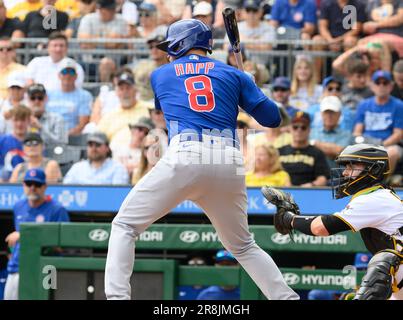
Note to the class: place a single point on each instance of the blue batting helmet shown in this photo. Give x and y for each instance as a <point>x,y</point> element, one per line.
<point>184,35</point>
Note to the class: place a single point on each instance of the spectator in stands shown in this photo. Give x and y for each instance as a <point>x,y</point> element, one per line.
<point>204,11</point>
<point>130,154</point>
<point>129,12</point>
<point>36,208</point>
<point>381,117</point>
<point>304,88</point>
<point>332,87</point>
<point>130,110</point>
<point>306,164</point>
<point>50,125</point>
<point>398,77</point>
<point>385,22</point>
<point>99,168</point>
<point>151,152</point>
<point>143,68</point>
<point>148,25</point>
<point>15,97</point>
<point>330,137</point>
<point>7,64</point>
<point>33,155</point>
<point>298,16</point>
<point>191,292</point>
<point>71,7</point>
<point>9,27</point>
<point>157,118</point>
<point>222,258</point>
<point>254,32</point>
<point>267,169</point>
<point>85,7</point>
<point>105,24</point>
<point>34,25</point>
<point>11,144</point>
<point>73,104</point>
<point>168,11</point>
<point>356,88</point>
<point>260,74</point>
<point>281,94</point>
<point>333,27</point>
<point>45,70</point>
<point>21,9</point>
<point>376,54</point>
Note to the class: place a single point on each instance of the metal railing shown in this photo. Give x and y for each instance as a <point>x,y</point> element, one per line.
<point>279,59</point>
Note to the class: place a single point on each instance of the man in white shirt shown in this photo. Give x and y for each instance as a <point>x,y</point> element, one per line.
<point>45,70</point>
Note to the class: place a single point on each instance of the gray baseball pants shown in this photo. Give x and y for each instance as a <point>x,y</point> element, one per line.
<point>209,173</point>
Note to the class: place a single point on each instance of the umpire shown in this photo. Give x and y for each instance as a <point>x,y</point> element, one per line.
<point>375,210</point>
<point>36,207</point>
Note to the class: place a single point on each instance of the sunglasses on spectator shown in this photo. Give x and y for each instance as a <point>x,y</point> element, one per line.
<point>383,83</point>
<point>280,89</point>
<point>248,10</point>
<point>71,72</point>
<point>40,98</point>
<point>336,89</point>
<point>33,183</point>
<point>145,14</point>
<point>296,127</point>
<point>6,49</point>
<point>32,143</point>
<point>94,144</point>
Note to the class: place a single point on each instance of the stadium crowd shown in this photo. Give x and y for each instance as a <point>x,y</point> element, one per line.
<point>110,132</point>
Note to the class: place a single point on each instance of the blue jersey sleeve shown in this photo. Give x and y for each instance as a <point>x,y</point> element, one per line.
<point>398,114</point>
<point>275,11</point>
<point>251,95</point>
<point>60,215</point>
<point>157,104</point>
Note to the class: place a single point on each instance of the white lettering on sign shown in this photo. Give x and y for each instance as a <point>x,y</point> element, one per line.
<point>150,236</point>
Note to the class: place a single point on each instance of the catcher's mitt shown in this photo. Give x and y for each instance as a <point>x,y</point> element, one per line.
<point>287,208</point>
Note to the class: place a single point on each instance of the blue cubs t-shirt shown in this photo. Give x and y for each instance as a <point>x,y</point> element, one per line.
<point>218,293</point>
<point>49,211</point>
<point>294,16</point>
<point>198,93</point>
<point>380,120</point>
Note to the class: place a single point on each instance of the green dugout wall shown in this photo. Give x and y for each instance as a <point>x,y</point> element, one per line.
<point>36,266</point>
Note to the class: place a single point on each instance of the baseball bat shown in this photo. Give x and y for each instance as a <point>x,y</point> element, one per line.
<point>231,27</point>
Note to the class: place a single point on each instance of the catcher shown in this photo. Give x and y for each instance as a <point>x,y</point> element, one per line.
<point>375,210</point>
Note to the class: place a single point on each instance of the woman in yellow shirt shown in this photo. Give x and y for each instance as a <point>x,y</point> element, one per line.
<point>267,169</point>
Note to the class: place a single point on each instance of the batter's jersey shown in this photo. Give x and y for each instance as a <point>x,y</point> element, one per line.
<point>378,214</point>
<point>199,94</point>
<point>49,211</point>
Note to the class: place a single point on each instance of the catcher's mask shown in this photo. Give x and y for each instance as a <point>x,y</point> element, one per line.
<point>376,161</point>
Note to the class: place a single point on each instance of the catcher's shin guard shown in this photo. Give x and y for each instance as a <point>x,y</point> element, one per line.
<point>378,281</point>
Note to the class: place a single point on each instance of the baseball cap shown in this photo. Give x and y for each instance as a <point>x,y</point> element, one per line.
<point>331,103</point>
<point>106,4</point>
<point>67,63</point>
<point>361,260</point>
<point>149,7</point>
<point>381,74</point>
<point>224,255</point>
<point>330,79</point>
<point>35,175</point>
<point>127,78</point>
<point>32,136</point>
<point>36,88</point>
<point>202,8</point>
<point>301,116</point>
<point>143,122</point>
<point>15,80</point>
<point>251,4</point>
<point>98,137</point>
<point>281,82</point>
<point>156,37</point>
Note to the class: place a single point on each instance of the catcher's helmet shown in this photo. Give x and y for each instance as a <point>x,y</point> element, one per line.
<point>376,169</point>
<point>184,35</point>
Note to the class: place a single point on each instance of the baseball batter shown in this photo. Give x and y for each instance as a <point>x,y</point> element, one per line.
<point>375,210</point>
<point>199,97</point>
